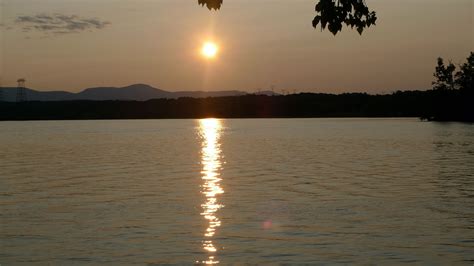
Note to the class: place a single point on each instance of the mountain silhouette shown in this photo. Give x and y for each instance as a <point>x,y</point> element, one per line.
<point>135,92</point>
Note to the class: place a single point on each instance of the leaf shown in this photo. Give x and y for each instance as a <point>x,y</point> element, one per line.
<point>211,4</point>
<point>316,21</point>
<point>330,13</point>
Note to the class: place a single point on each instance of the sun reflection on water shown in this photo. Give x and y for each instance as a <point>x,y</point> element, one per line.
<point>210,131</point>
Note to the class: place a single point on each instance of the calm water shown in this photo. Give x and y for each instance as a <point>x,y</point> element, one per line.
<point>382,191</point>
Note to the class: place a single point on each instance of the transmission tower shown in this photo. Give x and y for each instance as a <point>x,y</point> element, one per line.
<point>21,91</point>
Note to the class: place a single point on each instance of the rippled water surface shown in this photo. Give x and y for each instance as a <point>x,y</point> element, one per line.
<point>382,191</point>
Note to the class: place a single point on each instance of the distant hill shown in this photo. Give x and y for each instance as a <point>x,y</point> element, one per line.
<point>136,92</point>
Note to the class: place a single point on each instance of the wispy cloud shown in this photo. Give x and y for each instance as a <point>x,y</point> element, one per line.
<point>58,23</point>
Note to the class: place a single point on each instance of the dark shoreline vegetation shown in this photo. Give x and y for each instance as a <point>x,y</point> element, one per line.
<point>432,105</point>
<point>451,99</point>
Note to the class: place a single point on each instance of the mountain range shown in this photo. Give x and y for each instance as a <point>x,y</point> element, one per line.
<point>136,92</point>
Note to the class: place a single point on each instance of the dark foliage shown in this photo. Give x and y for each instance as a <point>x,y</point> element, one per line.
<point>334,14</point>
<point>211,4</point>
<point>444,76</point>
<point>465,76</point>
<point>399,104</point>
<point>331,14</point>
<point>453,93</point>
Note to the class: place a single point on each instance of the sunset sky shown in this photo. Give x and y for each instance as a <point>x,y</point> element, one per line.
<point>74,44</point>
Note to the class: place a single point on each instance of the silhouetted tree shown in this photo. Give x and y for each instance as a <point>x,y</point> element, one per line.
<point>447,80</point>
<point>330,13</point>
<point>465,76</point>
<point>453,93</point>
<point>444,76</point>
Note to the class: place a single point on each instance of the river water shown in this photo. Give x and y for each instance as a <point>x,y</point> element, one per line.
<point>257,191</point>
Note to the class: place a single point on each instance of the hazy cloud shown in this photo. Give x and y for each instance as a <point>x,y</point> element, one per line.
<point>5,26</point>
<point>58,23</point>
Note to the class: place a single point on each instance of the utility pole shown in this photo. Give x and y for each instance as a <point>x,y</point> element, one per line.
<point>21,91</point>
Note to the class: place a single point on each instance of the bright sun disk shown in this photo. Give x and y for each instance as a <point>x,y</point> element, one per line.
<point>209,50</point>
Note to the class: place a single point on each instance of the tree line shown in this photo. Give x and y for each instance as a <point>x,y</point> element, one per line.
<point>450,100</point>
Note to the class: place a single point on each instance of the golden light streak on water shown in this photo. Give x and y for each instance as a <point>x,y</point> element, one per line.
<point>210,131</point>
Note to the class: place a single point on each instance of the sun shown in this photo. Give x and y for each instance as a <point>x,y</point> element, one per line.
<point>209,50</point>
